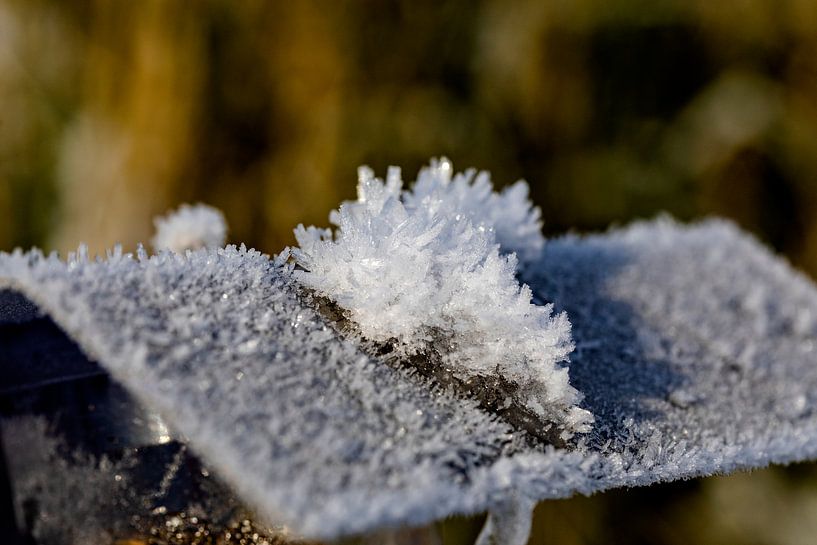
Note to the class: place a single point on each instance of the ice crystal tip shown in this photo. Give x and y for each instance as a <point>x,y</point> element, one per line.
<point>190,227</point>
<point>433,269</point>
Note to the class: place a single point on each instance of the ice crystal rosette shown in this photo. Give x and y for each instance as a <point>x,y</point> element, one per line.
<point>431,271</point>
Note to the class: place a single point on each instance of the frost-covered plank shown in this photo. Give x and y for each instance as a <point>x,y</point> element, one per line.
<point>694,352</point>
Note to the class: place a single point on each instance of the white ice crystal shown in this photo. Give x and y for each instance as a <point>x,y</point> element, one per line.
<point>189,228</point>
<point>516,223</point>
<point>423,269</point>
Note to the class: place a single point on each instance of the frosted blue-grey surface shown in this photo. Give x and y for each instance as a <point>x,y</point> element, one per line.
<point>695,352</point>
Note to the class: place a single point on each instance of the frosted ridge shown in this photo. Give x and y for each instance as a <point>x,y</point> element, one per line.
<point>190,227</point>
<point>694,349</point>
<point>416,268</point>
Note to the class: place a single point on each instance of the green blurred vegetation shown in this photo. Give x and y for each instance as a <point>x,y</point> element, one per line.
<point>113,112</point>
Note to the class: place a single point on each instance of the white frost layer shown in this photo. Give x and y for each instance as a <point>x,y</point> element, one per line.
<point>189,228</point>
<point>695,352</point>
<point>416,267</point>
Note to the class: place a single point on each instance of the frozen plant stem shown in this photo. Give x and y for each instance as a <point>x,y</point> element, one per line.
<point>424,272</point>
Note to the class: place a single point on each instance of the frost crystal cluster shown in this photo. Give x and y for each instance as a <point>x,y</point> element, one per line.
<point>516,223</point>
<point>189,228</point>
<point>422,270</point>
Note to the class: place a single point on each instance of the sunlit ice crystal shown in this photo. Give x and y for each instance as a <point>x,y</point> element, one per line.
<point>432,270</point>
<point>190,227</point>
<point>516,223</point>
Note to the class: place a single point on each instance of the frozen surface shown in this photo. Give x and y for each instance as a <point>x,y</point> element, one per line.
<point>694,348</point>
<point>417,269</point>
<point>189,228</point>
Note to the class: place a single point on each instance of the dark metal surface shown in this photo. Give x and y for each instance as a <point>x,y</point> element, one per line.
<point>34,352</point>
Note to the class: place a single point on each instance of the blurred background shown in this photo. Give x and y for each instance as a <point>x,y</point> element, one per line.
<point>112,112</point>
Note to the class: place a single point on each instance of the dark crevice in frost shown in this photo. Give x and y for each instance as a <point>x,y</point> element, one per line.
<point>494,394</point>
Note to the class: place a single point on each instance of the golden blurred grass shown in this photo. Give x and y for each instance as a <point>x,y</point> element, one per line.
<point>113,112</point>
<point>116,111</point>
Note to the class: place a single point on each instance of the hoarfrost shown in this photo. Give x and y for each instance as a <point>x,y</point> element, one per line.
<point>516,223</point>
<point>417,268</point>
<point>332,442</point>
<point>189,228</point>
